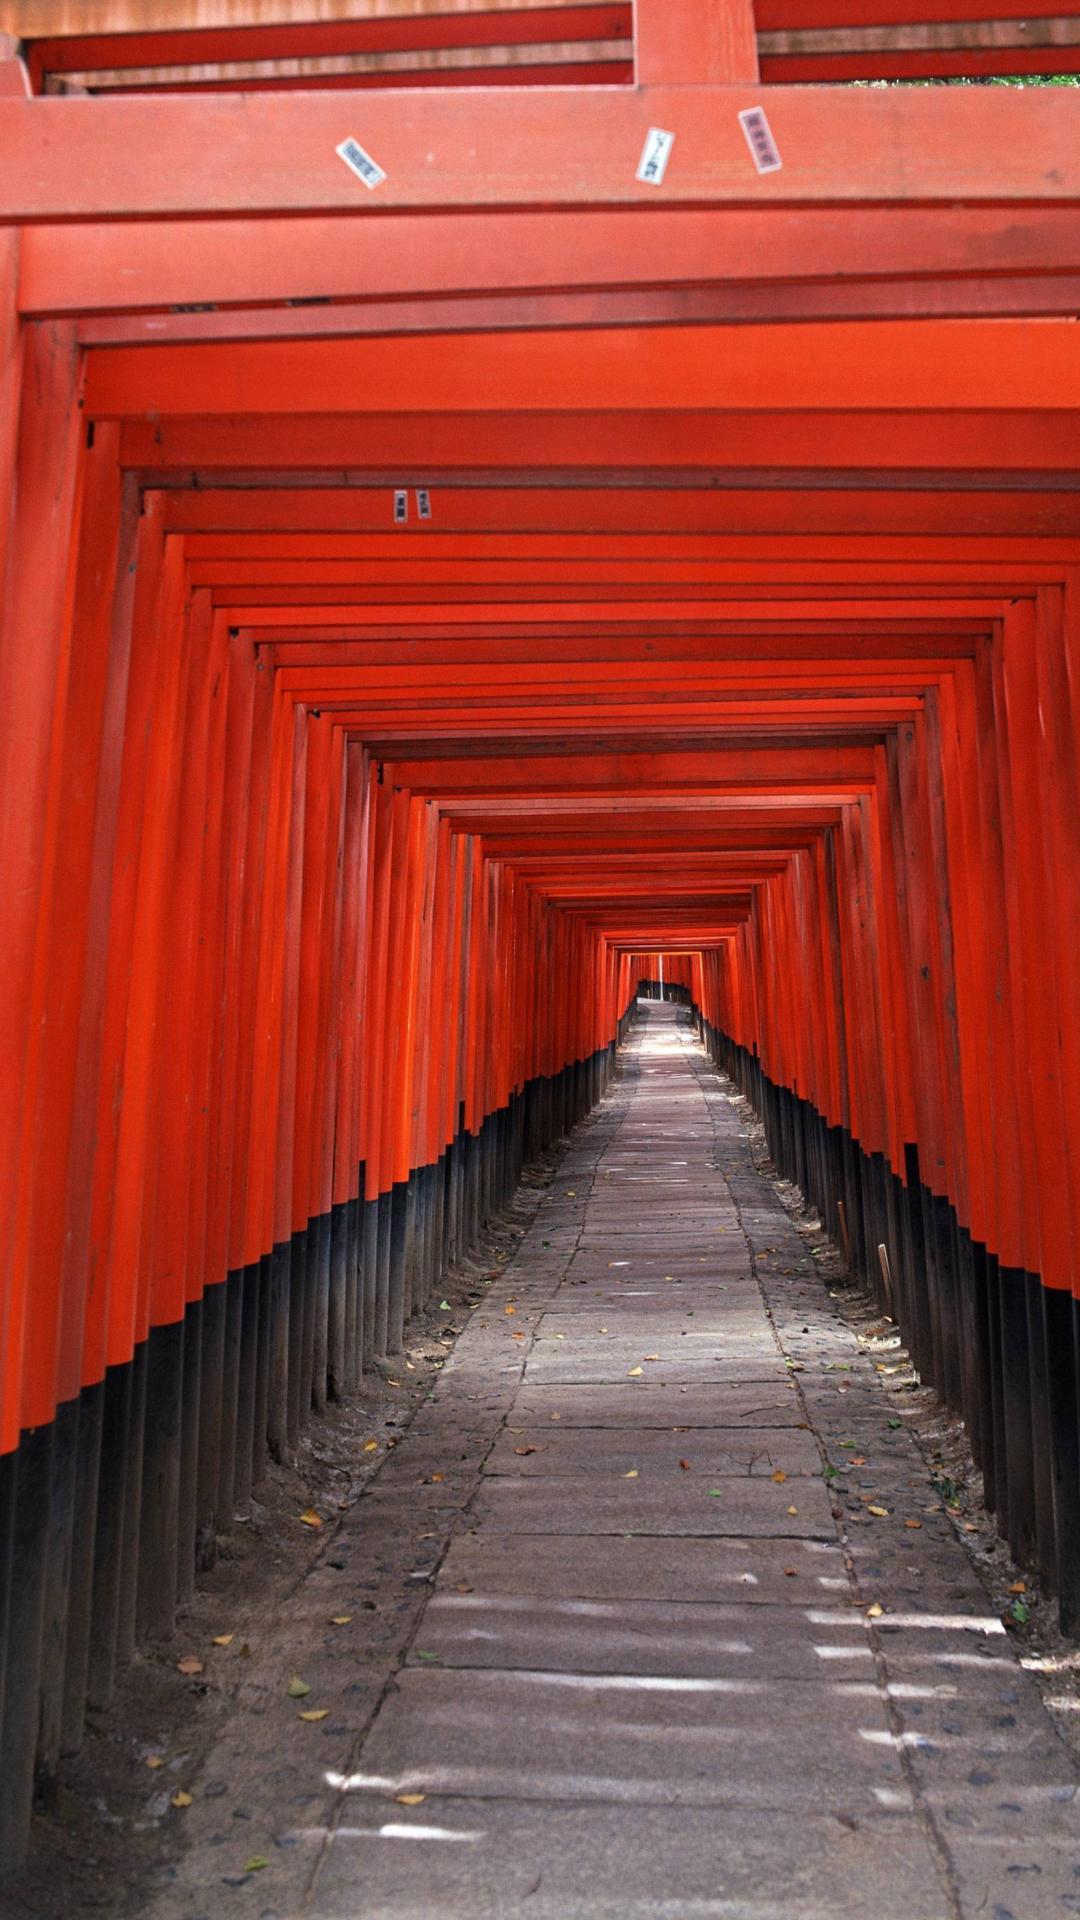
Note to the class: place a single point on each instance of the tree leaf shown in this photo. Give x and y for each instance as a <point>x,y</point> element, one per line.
<point>297,1688</point>
<point>256,1864</point>
<point>310,1518</point>
<point>314,1713</point>
<point>181,1799</point>
<point>410,1799</point>
<point>189,1664</point>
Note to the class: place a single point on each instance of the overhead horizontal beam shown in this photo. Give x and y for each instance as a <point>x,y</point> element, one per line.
<point>272,153</point>
<point>159,264</point>
<point>899,365</point>
<point>816,441</point>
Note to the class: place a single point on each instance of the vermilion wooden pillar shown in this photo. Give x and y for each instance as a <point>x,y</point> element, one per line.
<point>694,43</point>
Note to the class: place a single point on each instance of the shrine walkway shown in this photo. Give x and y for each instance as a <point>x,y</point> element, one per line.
<point>680,1628</point>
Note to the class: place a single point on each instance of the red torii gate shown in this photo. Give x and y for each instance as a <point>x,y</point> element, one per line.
<point>436,595</point>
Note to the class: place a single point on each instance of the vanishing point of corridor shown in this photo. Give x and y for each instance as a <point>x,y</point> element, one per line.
<point>678,1628</point>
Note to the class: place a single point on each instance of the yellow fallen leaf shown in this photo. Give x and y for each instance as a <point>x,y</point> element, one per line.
<point>314,1713</point>
<point>793,1510</point>
<point>509,1309</point>
<point>224,1639</point>
<point>181,1799</point>
<point>879,1513</point>
<point>340,1619</point>
<point>189,1664</point>
<point>410,1799</point>
<point>779,1476</point>
<point>636,1372</point>
<point>297,1688</point>
<point>256,1864</point>
<point>1018,1586</point>
<point>154,1760</point>
<point>571,1193</point>
<point>652,1356</point>
<point>875,1611</point>
<point>371,1446</point>
<point>310,1518</point>
<point>437,1477</point>
<point>632,1475</point>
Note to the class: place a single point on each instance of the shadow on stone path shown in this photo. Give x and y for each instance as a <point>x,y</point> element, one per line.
<point>652,1614</point>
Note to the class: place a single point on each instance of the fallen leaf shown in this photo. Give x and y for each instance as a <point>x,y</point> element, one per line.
<point>793,1510</point>
<point>914,1525</point>
<point>1018,1586</point>
<point>524,1450</point>
<point>314,1713</point>
<point>189,1664</point>
<point>245,1650</point>
<point>558,1336</point>
<point>410,1799</point>
<point>427,1656</point>
<point>436,1478</point>
<point>636,1372</point>
<point>779,1476</point>
<point>879,1513</point>
<point>463,1588</point>
<point>310,1518</point>
<point>154,1760</point>
<point>181,1799</point>
<point>875,1611</point>
<point>632,1475</point>
<point>791,1573</point>
<point>521,1336</point>
<point>571,1193</point>
<point>371,1446</point>
<point>444,1306</point>
<point>509,1309</point>
<point>256,1864</point>
<point>297,1688</point>
<point>340,1619</point>
<point>224,1639</point>
<point>652,1356</point>
<point>857,1460</point>
<point>685,1465</point>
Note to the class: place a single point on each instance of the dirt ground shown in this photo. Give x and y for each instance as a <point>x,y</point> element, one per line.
<point>112,1827</point>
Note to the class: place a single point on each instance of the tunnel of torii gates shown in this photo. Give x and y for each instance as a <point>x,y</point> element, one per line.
<point>445,579</point>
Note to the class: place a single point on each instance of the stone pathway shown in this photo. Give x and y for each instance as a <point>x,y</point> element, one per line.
<point>652,1614</point>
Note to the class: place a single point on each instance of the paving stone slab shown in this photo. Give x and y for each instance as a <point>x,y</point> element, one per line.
<point>669,1504</point>
<point>640,1404</point>
<point>521,1862</point>
<point>737,1641</point>
<point>631,1738</point>
<point>760,1451</point>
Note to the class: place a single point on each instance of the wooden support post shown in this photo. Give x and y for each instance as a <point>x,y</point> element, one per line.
<point>704,43</point>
